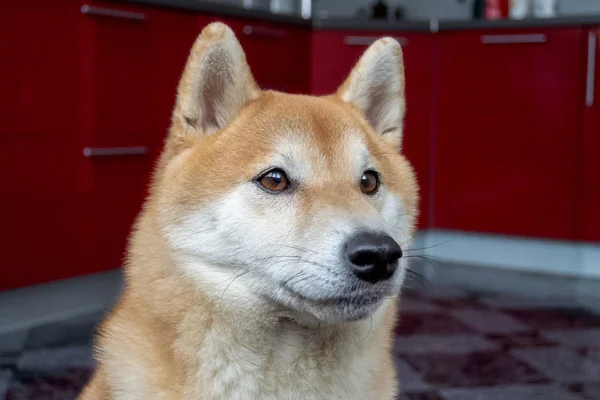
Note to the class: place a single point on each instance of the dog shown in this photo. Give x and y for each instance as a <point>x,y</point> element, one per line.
<point>267,259</point>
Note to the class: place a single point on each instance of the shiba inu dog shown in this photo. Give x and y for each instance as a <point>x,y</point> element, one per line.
<point>267,259</point>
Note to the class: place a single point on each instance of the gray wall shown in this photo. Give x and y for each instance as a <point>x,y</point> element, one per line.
<point>414,9</point>
<point>579,7</point>
<point>441,9</point>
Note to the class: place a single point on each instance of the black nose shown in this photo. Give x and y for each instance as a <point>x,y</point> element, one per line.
<point>373,257</point>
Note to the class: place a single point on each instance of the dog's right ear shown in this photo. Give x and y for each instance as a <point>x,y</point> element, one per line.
<point>216,83</point>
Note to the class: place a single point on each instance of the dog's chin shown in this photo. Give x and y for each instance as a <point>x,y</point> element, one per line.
<point>345,310</point>
<point>311,304</point>
<point>335,310</point>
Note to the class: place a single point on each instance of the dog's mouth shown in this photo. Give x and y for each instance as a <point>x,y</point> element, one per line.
<point>356,304</point>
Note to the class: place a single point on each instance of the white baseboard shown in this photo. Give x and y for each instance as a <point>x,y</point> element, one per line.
<point>573,259</point>
<point>24,308</point>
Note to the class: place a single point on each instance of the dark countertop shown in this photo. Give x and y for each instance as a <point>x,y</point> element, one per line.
<point>222,9</point>
<point>367,25</point>
<point>520,24</point>
<point>437,26</point>
<point>370,25</point>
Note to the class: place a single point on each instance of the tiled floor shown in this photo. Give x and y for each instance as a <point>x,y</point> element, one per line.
<point>452,345</point>
<point>495,348</point>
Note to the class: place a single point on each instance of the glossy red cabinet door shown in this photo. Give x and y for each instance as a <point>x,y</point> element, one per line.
<point>173,34</point>
<point>509,118</point>
<point>589,211</point>
<point>278,54</point>
<point>334,53</point>
<point>117,124</point>
<point>38,142</point>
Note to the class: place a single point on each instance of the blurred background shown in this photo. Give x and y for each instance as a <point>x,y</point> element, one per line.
<point>502,299</point>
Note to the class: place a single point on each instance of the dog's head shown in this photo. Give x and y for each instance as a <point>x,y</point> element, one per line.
<point>300,202</point>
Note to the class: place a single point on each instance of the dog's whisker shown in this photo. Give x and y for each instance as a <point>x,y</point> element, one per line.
<point>301,249</point>
<point>430,247</point>
<point>230,283</point>
<point>370,330</point>
<point>284,283</point>
<point>308,343</point>
<point>423,282</point>
<point>434,262</point>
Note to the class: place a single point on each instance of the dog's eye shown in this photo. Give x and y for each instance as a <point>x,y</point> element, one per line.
<point>369,183</point>
<point>274,181</point>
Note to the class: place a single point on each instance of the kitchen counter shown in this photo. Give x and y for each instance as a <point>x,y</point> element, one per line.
<point>373,25</point>
<point>222,9</point>
<point>433,25</point>
<point>437,26</point>
<point>520,24</point>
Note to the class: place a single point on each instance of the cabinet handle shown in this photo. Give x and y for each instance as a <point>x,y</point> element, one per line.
<point>510,39</point>
<point>114,151</point>
<point>250,30</point>
<point>110,12</point>
<point>591,70</point>
<point>368,40</point>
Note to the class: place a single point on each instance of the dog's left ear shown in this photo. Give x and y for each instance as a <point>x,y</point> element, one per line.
<point>376,87</point>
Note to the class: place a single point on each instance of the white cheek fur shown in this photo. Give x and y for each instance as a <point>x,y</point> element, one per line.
<point>394,217</point>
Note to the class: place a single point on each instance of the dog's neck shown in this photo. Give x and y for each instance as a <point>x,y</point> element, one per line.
<point>250,358</point>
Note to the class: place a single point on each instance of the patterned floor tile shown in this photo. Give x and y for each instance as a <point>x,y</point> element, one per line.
<point>409,324</point>
<point>593,354</point>
<point>421,396</point>
<point>442,344</point>
<point>412,306</point>
<point>63,385</point>
<point>578,338</point>
<point>41,360</point>
<point>513,392</point>
<point>5,380</point>
<point>459,303</point>
<point>557,318</point>
<point>490,322</point>
<point>588,391</point>
<point>410,380</point>
<point>524,303</point>
<point>559,363</point>
<point>521,340</point>
<point>471,370</point>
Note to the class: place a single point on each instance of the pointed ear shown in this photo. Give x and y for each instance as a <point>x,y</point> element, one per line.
<point>216,83</point>
<point>376,87</point>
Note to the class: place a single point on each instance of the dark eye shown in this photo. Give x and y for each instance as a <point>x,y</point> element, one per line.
<point>369,183</point>
<point>274,181</point>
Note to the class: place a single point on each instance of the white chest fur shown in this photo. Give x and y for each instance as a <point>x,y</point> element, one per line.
<point>291,364</point>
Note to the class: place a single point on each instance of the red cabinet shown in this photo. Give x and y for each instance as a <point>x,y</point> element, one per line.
<point>509,118</point>
<point>334,53</point>
<point>589,211</point>
<point>172,34</point>
<point>278,55</point>
<point>117,125</point>
<point>38,142</point>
